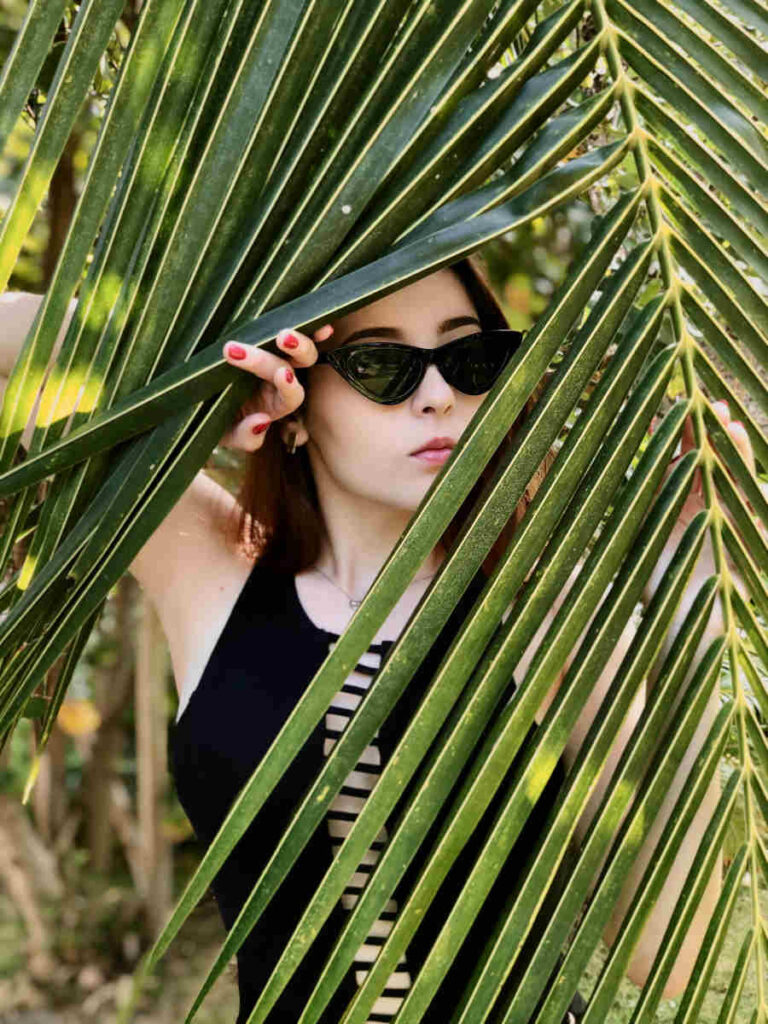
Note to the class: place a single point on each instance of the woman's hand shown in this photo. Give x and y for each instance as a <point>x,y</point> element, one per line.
<point>278,392</point>
<point>694,502</point>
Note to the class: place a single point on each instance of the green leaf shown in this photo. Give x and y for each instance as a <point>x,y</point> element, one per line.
<point>287,163</point>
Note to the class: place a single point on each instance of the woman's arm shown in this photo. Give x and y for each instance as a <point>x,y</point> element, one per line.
<point>17,311</point>
<point>201,504</point>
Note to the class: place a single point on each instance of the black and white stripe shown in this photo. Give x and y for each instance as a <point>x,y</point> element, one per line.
<point>342,813</point>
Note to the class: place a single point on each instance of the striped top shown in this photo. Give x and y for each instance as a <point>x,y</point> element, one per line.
<point>341,816</point>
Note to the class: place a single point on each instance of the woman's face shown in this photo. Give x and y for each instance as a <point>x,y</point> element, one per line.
<point>366,448</point>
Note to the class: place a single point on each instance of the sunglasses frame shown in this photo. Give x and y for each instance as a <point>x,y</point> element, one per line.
<point>338,359</point>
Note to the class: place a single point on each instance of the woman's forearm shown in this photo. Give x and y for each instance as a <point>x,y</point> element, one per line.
<point>17,311</point>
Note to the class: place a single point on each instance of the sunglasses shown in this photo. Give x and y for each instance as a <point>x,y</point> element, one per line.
<point>387,372</point>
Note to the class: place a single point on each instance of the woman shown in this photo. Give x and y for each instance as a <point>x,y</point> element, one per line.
<point>330,486</point>
<point>253,592</point>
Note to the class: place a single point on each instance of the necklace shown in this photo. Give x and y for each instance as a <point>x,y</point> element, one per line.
<point>356,604</point>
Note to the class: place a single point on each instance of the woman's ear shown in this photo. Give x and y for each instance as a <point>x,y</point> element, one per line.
<point>291,425</point>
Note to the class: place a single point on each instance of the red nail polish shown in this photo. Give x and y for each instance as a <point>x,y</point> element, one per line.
<point>236,351</point>
<point>259,428</point>
<point>291,341</point>
<point>289,377</point>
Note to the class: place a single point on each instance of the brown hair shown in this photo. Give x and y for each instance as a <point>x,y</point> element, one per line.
<point>279,518</point>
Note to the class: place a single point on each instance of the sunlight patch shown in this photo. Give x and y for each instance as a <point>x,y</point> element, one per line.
<point>78,393</point>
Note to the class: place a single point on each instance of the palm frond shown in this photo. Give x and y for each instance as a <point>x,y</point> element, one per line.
<point>292,161</point>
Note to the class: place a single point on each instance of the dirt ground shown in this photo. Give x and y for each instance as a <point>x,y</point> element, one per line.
<point>169,995</point>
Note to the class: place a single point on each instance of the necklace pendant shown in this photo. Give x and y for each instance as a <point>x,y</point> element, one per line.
<point>355,604</point>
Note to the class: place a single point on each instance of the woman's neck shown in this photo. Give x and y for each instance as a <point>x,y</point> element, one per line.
<point>354,573</point>
<point>359,536</point>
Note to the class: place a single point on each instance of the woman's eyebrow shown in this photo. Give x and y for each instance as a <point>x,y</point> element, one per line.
<point>397,334</point>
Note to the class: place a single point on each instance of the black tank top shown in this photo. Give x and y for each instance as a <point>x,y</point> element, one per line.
<point>266,655</point>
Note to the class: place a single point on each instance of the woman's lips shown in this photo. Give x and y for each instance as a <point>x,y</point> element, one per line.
<point>435,455</point>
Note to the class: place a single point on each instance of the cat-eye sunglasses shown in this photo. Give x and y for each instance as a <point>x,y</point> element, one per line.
<point>388,372</point>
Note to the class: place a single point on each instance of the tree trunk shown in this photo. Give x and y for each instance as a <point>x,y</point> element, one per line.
<point>49,794</point>
<point>62,198</point>
<point>28,873</point>
<point>151,766</point>
<point>112,692</point>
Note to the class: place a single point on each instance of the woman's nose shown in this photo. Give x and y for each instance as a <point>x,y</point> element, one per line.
<point>434,392</point>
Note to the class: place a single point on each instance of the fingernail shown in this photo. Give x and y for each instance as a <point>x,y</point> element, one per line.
<point>289,377</point>
<point>738,423</point>
<point>291,341</point>
<point>259,428</point>
<point>235,351</point>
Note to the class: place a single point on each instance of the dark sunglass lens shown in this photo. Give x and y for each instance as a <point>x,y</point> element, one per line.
<point>473,365</point>
<point>384,373</point>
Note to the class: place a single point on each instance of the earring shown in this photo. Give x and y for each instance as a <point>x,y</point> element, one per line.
<point>294,443</point>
